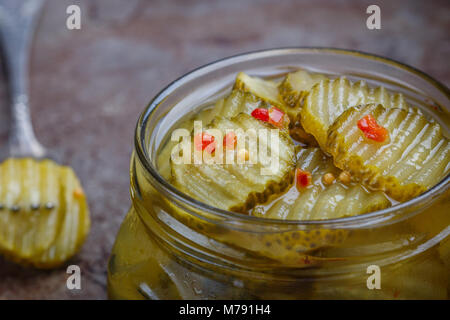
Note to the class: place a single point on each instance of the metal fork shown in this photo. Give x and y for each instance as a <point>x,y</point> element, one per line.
<point>18,20</point>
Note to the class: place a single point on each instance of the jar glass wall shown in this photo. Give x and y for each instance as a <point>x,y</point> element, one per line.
<point>171,246</point>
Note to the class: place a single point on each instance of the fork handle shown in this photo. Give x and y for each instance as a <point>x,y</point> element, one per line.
<point>17,23</point>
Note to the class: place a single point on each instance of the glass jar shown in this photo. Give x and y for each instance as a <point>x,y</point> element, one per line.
<point>171,246</point>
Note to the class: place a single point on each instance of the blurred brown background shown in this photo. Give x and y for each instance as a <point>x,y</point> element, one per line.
<point>88,86</point>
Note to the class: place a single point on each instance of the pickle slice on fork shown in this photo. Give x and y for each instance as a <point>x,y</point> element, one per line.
<point>31,206</point>
<point>330,98</point>
<point>74,227</point>
<point>414,157</point>
<point>44,217</point>
<point>238,183</point>
<point>319,200</point>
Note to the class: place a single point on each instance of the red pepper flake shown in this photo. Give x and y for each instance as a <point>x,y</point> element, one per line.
<point>276,117</point>
<point>202,140</point>
<point>302,178</point>
<point>273,115</point>
<point>371,129</point>
<point>261,114</point>
<point>230,140</point>
<point>210,148</point>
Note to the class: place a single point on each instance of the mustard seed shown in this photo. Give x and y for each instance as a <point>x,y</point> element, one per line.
<point>345,177</point>
<point>328,178</point>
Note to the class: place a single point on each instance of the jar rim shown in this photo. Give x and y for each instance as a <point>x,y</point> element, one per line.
<point>164,186</point>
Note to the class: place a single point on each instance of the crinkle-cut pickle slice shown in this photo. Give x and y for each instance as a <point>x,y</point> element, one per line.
<point>294,87</point>
<point>205,116</point>
<point>248,94</point>
<point>320,201</point>
<point>25,229</point>
<point>415,157</point>
<point>265,90</point>
<point>238,102</point>
<point>74,228</point>
<point>330,98</point>
<point>237,187</point>
<point>297,84</point>
<point>47,235</point>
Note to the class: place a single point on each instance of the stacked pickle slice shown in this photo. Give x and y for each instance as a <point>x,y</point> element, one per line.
<point>416,157</point>
<point>44,217</point>
<point>321,201</point>
<point>216,183</point>
<point>323,118</point>
<point>328,99</point>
